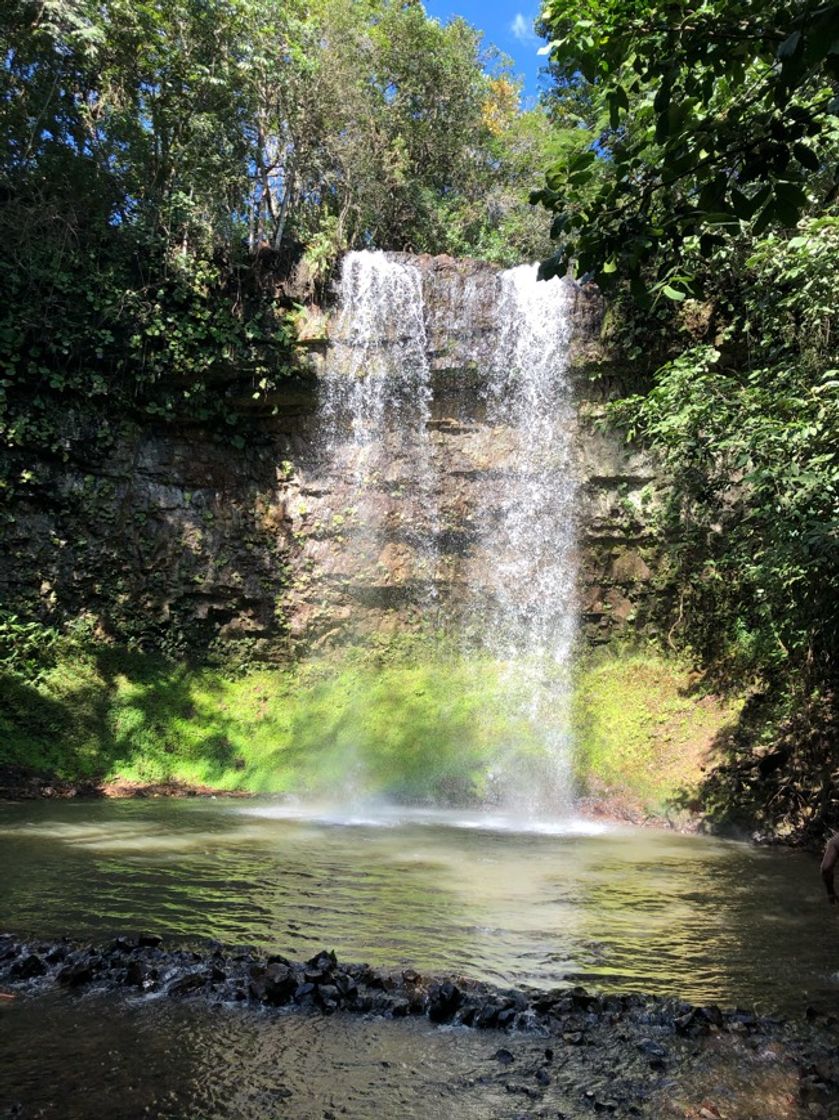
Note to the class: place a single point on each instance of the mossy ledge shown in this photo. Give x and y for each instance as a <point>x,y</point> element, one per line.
<point>413,719</point>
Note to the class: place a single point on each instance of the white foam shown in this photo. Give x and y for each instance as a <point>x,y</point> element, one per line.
<point>395,816</point>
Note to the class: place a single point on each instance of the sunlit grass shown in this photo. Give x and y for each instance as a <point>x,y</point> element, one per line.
<point>643,726</point>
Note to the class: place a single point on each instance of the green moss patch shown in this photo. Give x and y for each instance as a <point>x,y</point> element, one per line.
<point>414,727</point>
<point>416,722</point>
<point>643,727</point>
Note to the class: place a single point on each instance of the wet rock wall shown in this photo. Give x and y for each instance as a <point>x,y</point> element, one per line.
<point>182,536</point>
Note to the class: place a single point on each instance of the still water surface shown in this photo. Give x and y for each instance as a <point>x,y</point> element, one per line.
<point>615,908</point>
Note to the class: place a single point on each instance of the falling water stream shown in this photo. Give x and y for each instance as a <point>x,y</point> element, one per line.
<point>531,620</point>
<point>518,603</point>
<point>375,407</point>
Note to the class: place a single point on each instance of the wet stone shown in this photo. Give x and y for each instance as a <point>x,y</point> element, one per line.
<point>325,960</point>
<point>186,985</point>
<point>652,1048</point>
<point>256,988</point>
<point>345,985</point>
<point>28,968</point>
<point>279,985</point>
<point>135,974</point>
<point>524,1090</point>
<point>75,975</point>
<point>443,1002</point>
<point>634,1026</point>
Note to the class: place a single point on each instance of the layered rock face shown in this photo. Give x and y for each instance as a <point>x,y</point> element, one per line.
<point>310,533</point>
<point>426,529</point>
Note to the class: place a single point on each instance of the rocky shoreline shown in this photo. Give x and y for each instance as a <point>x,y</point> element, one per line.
<point>19,784</point>
<point>224,975</point>
<point>544,1038</point>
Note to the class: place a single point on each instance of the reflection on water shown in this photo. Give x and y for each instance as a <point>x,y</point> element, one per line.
<point>170,1062</point>
<point>619,909</point>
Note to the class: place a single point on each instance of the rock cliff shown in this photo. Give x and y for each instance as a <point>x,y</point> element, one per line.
<point>181,536</point>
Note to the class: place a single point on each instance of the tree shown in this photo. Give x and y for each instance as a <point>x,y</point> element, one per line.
<point>722,116</point>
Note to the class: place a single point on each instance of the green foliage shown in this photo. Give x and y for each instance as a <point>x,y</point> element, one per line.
<point>27,647</point>
<point>408,719</point>
<point>167,338</point>
<point>701,193</point>
<point>746,429</point>
<point>776,773</point>
<point>167,165</point>
<point>720,117</point>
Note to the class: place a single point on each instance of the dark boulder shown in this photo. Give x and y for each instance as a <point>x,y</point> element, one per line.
<point>443,1001</point>
<point>280,984</point>
<point>186,985</point>
<point>28,968</point>
<point>325,961</point>
<point>652,1048</point>
<point>135,974</point>
<point>75,975</point>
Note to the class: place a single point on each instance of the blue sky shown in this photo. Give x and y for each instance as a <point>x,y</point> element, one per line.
<point>506,23</point>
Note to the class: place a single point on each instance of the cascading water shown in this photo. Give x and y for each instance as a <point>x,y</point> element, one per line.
<point>528,528</point>
<point>505,593</point>
<point>374,414</point>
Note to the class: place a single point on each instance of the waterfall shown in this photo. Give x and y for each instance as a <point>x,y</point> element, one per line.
<point>527,527</point>
<point>472,539</point>
<point>374,413</point>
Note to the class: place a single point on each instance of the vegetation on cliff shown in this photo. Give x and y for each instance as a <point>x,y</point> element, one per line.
<point>410,719</point>
<point>176,176</point>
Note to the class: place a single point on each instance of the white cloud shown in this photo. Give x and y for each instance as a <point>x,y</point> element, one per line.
<point>522,29</point>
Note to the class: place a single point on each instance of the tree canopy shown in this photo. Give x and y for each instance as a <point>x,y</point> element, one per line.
<point>698,183</point>
<point>716,116</point>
